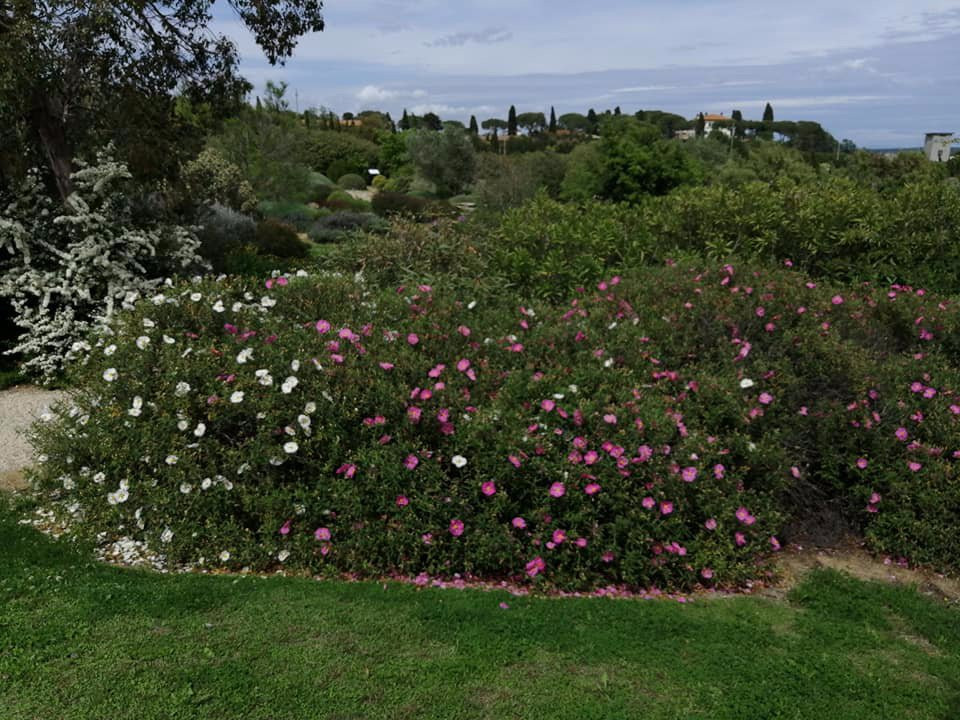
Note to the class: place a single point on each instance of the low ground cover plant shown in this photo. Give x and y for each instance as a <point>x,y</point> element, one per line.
<point>655,431</point>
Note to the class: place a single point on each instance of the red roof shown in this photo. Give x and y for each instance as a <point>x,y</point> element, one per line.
<point>715,118</point>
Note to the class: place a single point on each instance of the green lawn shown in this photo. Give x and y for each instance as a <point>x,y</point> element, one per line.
<point>81,640</point>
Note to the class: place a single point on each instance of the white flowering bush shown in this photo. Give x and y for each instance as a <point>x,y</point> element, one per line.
<point>654,432</point>
<point>67,267</point>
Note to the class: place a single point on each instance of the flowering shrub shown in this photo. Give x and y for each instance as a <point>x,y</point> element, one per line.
<point>68,268</point>
<point>656,431</point>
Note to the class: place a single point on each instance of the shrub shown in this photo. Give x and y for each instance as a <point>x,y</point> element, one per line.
<point>342,200</point>
<point>338,226</point>
<point>66,268</point>
<point>445,159</point>
<point>352,182</point>
<point>398,183</point>
<point>378,182</point>
<point>672,420</point>
<point>295,214</point>
<point>338,153</point>
<point>212,179</point>
<point>222,233</point>
<point>279,240</point>
<point>387,203</point>
<point>320,193</point>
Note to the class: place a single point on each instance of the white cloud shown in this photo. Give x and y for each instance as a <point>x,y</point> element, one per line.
<point>812,101</point>
<point>645,88</point>
<point>373,93</point>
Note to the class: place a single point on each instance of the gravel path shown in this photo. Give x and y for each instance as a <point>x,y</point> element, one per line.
<point>19,407</point>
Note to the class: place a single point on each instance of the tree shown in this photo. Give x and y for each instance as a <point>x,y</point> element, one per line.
<point>474,128</point>
<point>532,122</point>
<point>404,123</point>
<point>512,121</point>
<point>494,140</point>
<point>445,158</point>
<point>553,120</point>
<point>574,122</point>
<point>701,125</point>
<point>768,113</point>
<point>431,121</point>
<point>593,124</point>
<point>77,73</point>
<point>494,124</point>
<point>738,128</point>
<point>616,110</point>
<point>275,100</point>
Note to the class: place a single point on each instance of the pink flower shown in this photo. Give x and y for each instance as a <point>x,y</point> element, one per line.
<point>581,542</point>
<point>765,398</point>
<point>719,471</point>
<point>590,457</point>
<point>427,538</point>
<point>456,527</point>
<point>414,413</point>
<point>592,488</point>
<point>914,466</point>
<point>410,462</point>
<point>347,469</point>
<point>519,523</point>
<point>795,471</point>
<point>386,366</point>
<point>413,338</point>
<point>463,364</point>
<point>488,488</point>
<point>610,419</point>
<point>464,330</point>
<point>761,312</point>
<point>666,507</point>
<point>862,463</point>
<point>547,405</point>
<point>437,370</point>
<point>322,533</point>
<point>504,606</point>
<point>710,524</point>
<point>514,460</point>
<point>558,536</point>
<point>648,502</point>
<point>536,566</point>
<point>740,539</point>
<point>689,474</point>
<point>323,327</point>
<point>282,281</point>
<point>402,501</point>
<point>608,557</point>
<point>706,574</point>
<point>836,300</point>
<point>902,434</point>
<point>269,284</point>
<point>285,528</point>
<point>557,490</point>
<point>742,514</point>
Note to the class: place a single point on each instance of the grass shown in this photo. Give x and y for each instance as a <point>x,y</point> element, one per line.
<point>82,640</point>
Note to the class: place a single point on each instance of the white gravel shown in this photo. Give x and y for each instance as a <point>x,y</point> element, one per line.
<point>19,407</point>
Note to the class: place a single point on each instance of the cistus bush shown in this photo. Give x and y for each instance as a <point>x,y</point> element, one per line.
<point>352,181</point>
<point>655,431</point>
<point>279,240</point>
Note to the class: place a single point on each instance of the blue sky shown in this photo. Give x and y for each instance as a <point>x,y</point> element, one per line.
<point>881,73</point>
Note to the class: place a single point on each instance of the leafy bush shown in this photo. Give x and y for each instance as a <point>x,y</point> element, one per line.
<point>66,268</point>
<point>658,431</point>
<point>445,159</point>
<point>222,232</point>
<point>342,200</point>
<point>378,182</point>
<point>211,179</point>
<point>398,183</point>
<point>387,203</point>
<point>298,215</point>
<point>352,182</point>
<point>338,226</point>
<point>339,153</point>
<point>508,181</point>
<point>279,240</point>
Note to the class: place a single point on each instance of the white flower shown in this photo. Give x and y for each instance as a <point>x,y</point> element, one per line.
<point>558,396</point>
<point>99,478</point>
<point>121,494</point>
<point>110,374</point>
<point>574,389</point>
<point>195,296</point>
<point>295,365</point>
<point>289,431</point>
<point>303,421</point>
<point>471,305</point>
<point>746,383</point>
<point>206,483</point>
<point>109,350</point>
<point>182,425</point>
<point>299,509</point>
<point>182,389</point>
<point>171,460</point>
<point>168,340</point>
<point>148,323</point>
<point>244,355</point>
<point>751,447</point>
<point>166,536</point>
<point>289,384</point>
<point>326,396</point>
<point>290,448</point>
<point>237,397</point>
<point>267,302</point>
<point>227,485</point>
<point>46,417</point>
<point>608,362</point>
<point>185,488</point>
<point>458,460</point>
<point>310,408</point>
<point>158,299</point>
<point>265,378</point>
<point>134,412</point>
<point>237,306</point>
<point>218,306</point>
<point>199,430</point>
<point>224,556</point>
<point>68,483</point>
<point>283,555</point>
<point>142,342</point>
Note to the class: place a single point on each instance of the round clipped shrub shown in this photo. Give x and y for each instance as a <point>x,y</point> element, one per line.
<point>320,193</point>
<point>222,232</point>
<point>658,431</point>
<point>279,239</point>
<point>352,181</point>
<point>378,182</point>
<point>342,200</point>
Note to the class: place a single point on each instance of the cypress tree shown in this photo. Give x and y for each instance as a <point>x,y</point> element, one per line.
<point>494,140</point>
<point>553,120</point>
<point>616,110</point>
<point>701,125</point>
<point>512,121</point>
<point>768,113</point>
<point>404,121</point>
<point>737,123</point>
<point>474,128</point>
<point>592,120</point>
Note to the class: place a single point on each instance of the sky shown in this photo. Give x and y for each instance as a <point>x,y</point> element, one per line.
<point>881,73</point>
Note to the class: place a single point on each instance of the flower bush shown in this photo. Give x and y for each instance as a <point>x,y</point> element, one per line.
<point>656,431</point>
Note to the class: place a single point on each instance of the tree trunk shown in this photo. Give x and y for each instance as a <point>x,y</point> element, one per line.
<point>46,117</point>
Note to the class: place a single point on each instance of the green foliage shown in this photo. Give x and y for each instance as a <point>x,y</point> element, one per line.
<point>297,215</point>
<point>386,203</point>
<point>545,249</point>
<point>210,179</point>
<point>378,182</point>
<point>507,181</point>
<point>446,159</point>
<point>279,239</point>
<point>341,153</point>
<point>222,233</point>
<point>352,182</point>
<point>583,180</point>
<point>393,154</point>
<point>342,200</point>
<point>339,226</point>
